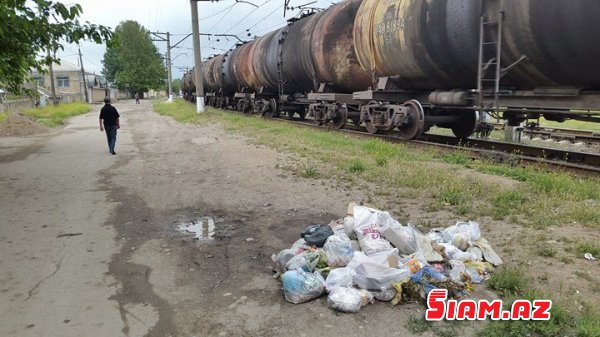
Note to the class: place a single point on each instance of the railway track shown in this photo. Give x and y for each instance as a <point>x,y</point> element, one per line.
<point>559,134</point>
<point>573,161</point>
<point>575,136</point>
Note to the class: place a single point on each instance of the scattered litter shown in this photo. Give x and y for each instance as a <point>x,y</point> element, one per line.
<point>250,239</point>
<point>589,257</point>
<point>388,262</point>
<point>203,228</point>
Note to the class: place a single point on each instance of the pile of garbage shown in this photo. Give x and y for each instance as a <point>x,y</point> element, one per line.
<point>369,256</point>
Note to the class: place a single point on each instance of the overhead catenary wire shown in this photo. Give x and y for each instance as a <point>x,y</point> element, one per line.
<point>247,15</point>
<point>263,18</point>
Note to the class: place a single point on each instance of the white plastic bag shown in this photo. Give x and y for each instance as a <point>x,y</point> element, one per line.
<point>458,269</point>
<point>373,276</point>
<point>339,251</point>
<point>300,286</point>
<point>388,258</point>
<point>370,239</point>
<point>345,300</point>
<point>349,227</point>
<point>357,259</point>
<point>339,278</point>
<point>463,234</point>
<point>402,237</point>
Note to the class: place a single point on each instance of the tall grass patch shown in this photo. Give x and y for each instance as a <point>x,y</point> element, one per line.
<point>55,115</point>
<point>3,116</point>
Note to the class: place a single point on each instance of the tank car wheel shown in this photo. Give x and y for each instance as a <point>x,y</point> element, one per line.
<point>341,116</point>
<point>416,120</point>
<point>467,125</point>
<point>274,108</point>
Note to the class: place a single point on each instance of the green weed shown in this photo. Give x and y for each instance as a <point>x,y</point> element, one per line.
<point>508,281</point>
<point>546,251</point>
<point>309,172</point>
<point>357,166</point>
<point>457,158</point>
<point>3,116</point>
<point>381,161</point>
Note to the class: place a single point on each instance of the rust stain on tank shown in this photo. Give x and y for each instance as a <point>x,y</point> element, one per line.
<point>333,49</point>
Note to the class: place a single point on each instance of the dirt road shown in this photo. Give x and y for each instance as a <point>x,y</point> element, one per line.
<point>90,245</point>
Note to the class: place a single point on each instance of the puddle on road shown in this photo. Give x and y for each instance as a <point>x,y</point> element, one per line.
<point>202,228</point>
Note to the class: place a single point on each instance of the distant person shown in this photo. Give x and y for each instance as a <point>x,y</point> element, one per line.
<point>109,122</point>
<point>137,97</point>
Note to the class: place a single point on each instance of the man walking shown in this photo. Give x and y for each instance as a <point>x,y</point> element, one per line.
<point>137,97</point>
<point>109,122</point>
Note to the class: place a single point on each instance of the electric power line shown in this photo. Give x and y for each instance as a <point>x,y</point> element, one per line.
<point>247,15</point>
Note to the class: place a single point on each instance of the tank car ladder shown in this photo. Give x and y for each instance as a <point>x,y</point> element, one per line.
<point>490,56</point>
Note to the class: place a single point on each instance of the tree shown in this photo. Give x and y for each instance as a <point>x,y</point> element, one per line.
<point>176,85</point>
<point>31,27</point>
<point>132,60</point>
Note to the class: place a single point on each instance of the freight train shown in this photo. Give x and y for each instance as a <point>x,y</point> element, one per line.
<point>408,65</point>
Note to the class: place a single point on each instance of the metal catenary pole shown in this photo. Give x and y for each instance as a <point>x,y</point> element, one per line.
<point>169,74</point>
<point>197,58</point>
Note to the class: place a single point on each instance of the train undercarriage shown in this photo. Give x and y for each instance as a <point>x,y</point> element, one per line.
<point>411,113</point>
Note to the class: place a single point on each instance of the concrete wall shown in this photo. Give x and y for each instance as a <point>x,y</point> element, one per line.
<point>97,95</point>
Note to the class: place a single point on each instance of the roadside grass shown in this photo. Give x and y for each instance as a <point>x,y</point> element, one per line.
<point>539,200</point>
<point>512,283</point>
<point>53,116</point>
<point>3,116</point>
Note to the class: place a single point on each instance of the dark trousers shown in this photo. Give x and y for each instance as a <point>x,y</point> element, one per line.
<point>111,136</point>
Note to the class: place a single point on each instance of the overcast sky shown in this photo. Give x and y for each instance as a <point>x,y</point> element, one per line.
<point>174,16</point>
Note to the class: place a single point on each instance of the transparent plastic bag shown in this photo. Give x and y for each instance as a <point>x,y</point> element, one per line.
<point>339,251</point>
<point>345,300</point>
<point>300,286</point>
<point>339,278</point>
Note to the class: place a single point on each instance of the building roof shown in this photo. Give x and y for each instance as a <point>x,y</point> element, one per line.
<point>66,66</point>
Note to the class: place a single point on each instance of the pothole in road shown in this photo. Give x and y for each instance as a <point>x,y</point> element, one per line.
<point>202,228</point>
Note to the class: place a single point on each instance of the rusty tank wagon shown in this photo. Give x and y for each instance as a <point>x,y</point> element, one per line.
<point>409,65</point>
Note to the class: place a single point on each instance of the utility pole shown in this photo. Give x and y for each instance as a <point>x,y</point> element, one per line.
<point>83,76</point>
<point>197,58</point>
<point>169,74</point>
<point>52,88</point>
